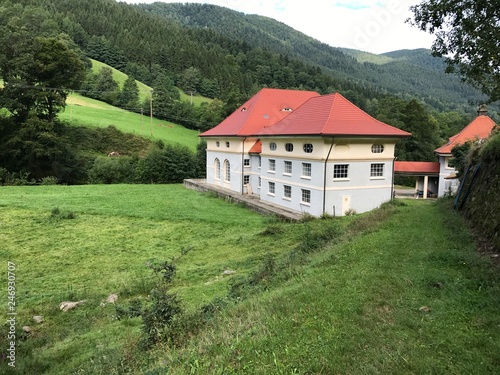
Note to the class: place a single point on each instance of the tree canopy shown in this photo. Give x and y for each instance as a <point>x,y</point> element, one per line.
<point>468,36</point>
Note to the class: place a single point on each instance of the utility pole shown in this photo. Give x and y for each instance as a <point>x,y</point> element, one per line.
<point>142,121</point>
<point>151,112</point>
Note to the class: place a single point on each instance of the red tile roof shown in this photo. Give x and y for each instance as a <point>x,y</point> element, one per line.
<point>331,115</point>
<point>256,148</point>
<point>480,128</point>
<point>265,108</point>
<point>417,167</point>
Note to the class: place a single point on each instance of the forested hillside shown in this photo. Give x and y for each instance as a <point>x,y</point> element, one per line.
<point>407,73</point>
<point>211,51</point>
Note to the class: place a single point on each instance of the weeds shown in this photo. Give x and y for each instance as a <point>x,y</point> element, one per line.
<point>57,214</point>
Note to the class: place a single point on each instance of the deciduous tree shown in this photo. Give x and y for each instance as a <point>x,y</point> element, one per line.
<point>468,35</point>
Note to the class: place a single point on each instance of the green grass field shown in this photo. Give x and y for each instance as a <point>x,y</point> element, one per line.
<point>355,306</point>
<point>84,111</point>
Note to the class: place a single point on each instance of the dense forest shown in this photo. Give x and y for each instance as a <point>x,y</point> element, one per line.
<point>212,51</point>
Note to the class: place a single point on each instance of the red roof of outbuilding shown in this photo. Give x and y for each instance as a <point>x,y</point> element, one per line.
<point>332,115</point>
<point>416,167</point>
<point>480,128</point>
<point>265,108</point>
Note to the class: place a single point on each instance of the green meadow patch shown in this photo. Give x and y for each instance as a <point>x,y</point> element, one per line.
<point>84,111</point>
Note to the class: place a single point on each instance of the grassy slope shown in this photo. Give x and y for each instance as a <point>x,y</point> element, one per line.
<point>356,309</point>
<point>89,112</point>
<point>144,90</point>
<point>352,309</point>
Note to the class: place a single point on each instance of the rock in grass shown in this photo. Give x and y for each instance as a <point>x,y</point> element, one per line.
<point>38,319</point>
<point>67,305</point>
<point>228,272</point>
<point>425,309</point>
<point>27,329</point>
<point>112,298</point>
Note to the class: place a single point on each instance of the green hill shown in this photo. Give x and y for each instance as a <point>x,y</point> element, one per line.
<point>89,112</point>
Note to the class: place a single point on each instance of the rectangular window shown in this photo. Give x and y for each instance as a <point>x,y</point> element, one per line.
<point>340,171</point>
<point>287,191</point>
<point>377,170</point>
<point>306,196</point>
<point>246,162</point>
<point>246,179</point>
<point>260,161</point>
<point>272,165</point>
<point>288,167</point>
<point>260,182</point>
<point>306,169</point>
<point>272,188</point>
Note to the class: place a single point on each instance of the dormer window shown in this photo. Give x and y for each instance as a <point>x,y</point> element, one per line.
<point>287,109</point>
<point>244,109</point>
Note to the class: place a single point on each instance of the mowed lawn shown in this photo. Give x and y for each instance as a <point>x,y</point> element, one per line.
<point>116,229</point>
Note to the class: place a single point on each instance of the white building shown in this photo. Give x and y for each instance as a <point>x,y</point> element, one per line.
<point>479,129</point>
<point>304,152</point>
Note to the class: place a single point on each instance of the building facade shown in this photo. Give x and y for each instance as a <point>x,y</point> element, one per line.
<point>304,152</point>
<point>479,129</point>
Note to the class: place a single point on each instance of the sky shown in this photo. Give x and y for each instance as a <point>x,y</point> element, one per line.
<point>375,26</point>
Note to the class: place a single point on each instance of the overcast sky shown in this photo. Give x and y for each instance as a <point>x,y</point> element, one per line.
<point>376,26</point>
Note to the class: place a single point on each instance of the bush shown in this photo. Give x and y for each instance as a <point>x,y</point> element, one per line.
<point>167,165</point>
<point>113,170</point>
<point>49,180</point>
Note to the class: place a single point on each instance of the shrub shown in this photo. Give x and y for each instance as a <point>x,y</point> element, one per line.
<point>171,164</point>
<point>108,170</point>
<point>49,180</point>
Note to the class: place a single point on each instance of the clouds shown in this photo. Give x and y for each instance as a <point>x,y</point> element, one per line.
<point>367,25</point>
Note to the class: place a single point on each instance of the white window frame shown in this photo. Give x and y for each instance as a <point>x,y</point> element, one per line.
<point>272,166</point>
<point>217,168</point>
<point>306,170</point>
<point>341,172</point>
<point>227,171</point>
<point>288,168</point>
<point>305,196</point>
<point>246,163</point>
<point>287,192</point>
<point>271,188</point>
<point>377,170</point>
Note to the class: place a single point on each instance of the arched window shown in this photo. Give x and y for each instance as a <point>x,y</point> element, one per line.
<point>217,169</point>
<point>227,171</point>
